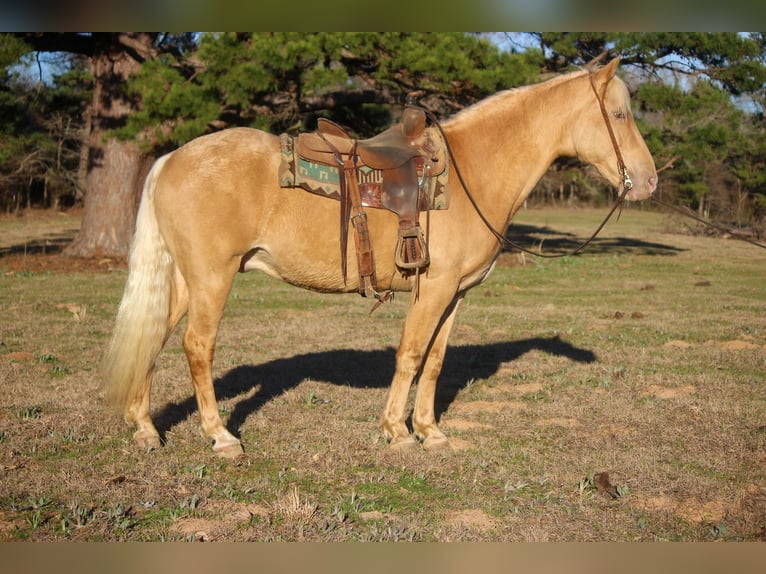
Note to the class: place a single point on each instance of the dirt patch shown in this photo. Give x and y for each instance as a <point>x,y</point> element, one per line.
<point>749,517</point>
<point>217,521</point>
<point>558,422</point>
<point>7,526</point>
<point>527,388</point>
<point>745,516</point>
<point>464,425</point>
<point>459,444</point>
<point>691,510</point>
<point>18,357</point>
<point>677,345</point>
<point>473,519</point>
<point>735,345</point>
<point>746,343</point>
<point>475,407</point>
<point>199,529</point>
<point>660,392</point>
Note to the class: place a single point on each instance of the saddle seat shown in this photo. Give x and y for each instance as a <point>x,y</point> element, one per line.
<point>387,150</point>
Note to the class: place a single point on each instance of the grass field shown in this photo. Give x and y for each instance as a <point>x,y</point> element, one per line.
<point>619,395</point>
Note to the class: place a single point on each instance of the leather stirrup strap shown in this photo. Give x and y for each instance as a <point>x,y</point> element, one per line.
<point>352,210</point>
<point>364,253</point>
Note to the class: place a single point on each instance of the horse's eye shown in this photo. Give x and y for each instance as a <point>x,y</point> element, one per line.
<point>619,114</point>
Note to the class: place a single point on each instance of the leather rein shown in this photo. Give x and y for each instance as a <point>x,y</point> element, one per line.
<point>627,185</point>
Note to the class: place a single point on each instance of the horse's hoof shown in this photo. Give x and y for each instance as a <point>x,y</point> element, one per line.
<point>230,451</point>
<point>437,444</point>
<point>404,444</point>
<point>147,441</point>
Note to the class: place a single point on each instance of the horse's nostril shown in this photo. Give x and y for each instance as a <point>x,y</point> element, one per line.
<point>652,182</point>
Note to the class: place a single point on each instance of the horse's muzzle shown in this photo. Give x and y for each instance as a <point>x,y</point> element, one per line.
<point>643,189</point>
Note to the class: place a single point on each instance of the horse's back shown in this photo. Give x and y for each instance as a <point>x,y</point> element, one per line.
<point>225,151</point>
<point>213,167</point>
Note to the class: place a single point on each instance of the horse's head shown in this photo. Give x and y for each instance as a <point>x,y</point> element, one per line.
<point>627,151</point>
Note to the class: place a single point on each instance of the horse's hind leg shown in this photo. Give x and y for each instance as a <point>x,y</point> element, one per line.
<point>138,410</point>
<point>206,304</point>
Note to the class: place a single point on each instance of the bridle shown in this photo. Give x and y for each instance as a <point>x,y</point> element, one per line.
<point>627,185</point>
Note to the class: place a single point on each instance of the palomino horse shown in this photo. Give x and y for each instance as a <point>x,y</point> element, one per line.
<point>214,207</point>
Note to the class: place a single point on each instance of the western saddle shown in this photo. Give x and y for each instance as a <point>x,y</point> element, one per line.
<point>407,155</point>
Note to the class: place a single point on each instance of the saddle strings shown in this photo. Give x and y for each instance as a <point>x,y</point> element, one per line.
<point>503,240</point>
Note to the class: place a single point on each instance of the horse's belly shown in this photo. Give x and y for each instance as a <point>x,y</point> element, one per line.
<point>295,266</point>
<point>298,271</point>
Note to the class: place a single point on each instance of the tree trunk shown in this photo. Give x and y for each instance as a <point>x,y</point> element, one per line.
<point>111,201</point>
<point>116,169</point>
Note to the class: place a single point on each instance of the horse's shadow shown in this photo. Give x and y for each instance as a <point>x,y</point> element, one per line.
<point>361,369</point>
<point>553,241</point>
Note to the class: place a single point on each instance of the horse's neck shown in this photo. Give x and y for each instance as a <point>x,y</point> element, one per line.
<point>508,141</point>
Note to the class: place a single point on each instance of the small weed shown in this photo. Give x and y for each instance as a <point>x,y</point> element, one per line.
<point>599,482</point>
<point>73,437</point>
<point>39,502</point>
<point>511,487</point>
<point>718,531</point>
<point>390,533</point>
<point>59,371</point>
<point>413,481</point>
<point>339,514</point>
<point>47,359</point>
<point>77,517</point>
<point>290,510</point>
<point>586,484</point>
<point>30,413</point>
<point>120,517</point>
<point>599,382</point>
<point>189,505</point>
<point>350,507</point>
<point>199,470</point>
<point>622,490</point>
<point>311,400</point>
<point>36,519</point>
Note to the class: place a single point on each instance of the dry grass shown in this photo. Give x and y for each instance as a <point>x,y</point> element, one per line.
<point>644,359</point>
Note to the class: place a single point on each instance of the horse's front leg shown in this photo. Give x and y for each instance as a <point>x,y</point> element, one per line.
<point>423,416</point>
<point>425,318</point>
<point>206,303</point>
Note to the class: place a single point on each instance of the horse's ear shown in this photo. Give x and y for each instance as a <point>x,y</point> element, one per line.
<point>604,75</point>
<point>611,68</point>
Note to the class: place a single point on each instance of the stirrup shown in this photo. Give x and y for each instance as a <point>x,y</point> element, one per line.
<point>411,248</point>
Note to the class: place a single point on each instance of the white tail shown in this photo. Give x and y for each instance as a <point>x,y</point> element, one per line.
<point>141,327</point>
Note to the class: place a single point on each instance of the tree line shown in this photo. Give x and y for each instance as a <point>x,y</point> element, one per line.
<point>84,115</point>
